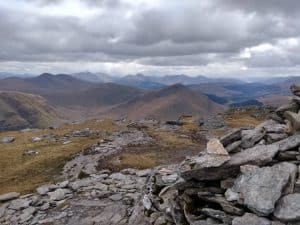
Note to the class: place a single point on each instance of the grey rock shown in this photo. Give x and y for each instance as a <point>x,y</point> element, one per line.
<point>116,197</point>
<point>251,137</point>
<point>257,155</point>
<point>3,209</point>
<point>295,89</point>
<point>251,219</point>
<point>288,208</point>
<point>7,140</point>
<point>143,173</point>
<point>9,196</point>
<point>197,167</point>
<point>233,146</point>
<point>172,178</point>
<point>260,188</point>
<point>292,106</point>
<point>271,126</point>
<point>58,194</point>
<point>43,190</point>
<point>217,214</point>
<point>36,139</point>
<point>273,137</point>
<point>231,136</point>
<point>294,118</point>
<point>19,204</point>
<point>288,143</point>
<point>118,176</point>
<point>147,202</point>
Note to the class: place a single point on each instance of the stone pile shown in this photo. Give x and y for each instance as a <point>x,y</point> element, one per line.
<point>247,177</point>
<point>103,199</point>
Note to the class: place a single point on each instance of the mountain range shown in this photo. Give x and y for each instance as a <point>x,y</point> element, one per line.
<point>86,95</point>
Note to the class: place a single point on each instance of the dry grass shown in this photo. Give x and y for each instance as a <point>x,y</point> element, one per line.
<point>140,161</point>
<point>243,119</point>
<point>22,173</point>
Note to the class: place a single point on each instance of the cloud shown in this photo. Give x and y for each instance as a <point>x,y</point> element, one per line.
<point>162,34</point>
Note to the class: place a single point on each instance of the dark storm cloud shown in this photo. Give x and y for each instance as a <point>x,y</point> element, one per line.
<point>170,33</point>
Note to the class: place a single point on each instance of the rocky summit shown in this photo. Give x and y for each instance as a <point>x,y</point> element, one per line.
<point>246,177</point>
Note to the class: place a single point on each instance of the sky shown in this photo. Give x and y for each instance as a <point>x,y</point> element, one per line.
<point>217,38</point>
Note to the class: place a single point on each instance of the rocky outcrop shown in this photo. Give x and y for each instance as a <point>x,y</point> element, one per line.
<point>246,177</point>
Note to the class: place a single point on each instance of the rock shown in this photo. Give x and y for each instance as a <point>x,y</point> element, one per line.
<point>9,196</point>
<point>217,214</point>
<point>143,173</point>
<point>294,118</point>
<point>292,107</point>
<point>63,184</point>
<point>273,137</point>
<point>2,209</point>
<point>231,136</point>
<point>271,126</point>
<point>169,179</point>
<point>118,176</point>
<point>42,190</point>
<point>233,146</point>
<point>257,155</point>
<point>36,139</point>
<point>295,89</point>
<point>251,219</point>
<point>226,206</point>
<point>251,137</point>
<point>147,202</point>
<point>260,188</point>
<point>6,140</point>
<point>58,194</point>
<point>19,204</point>
<point>197,167</point>
<point>27,214</point>
<point>288,208</point>
<point>116,197</point>
<point>288,143</point>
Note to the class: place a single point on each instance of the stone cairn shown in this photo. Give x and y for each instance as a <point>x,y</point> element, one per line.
<point>249,177</point>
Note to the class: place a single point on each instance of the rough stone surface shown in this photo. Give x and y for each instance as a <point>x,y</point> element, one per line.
<point>288,208</point>
<point>9,196</point>
<point>260,188</point>
<point>251,219</point>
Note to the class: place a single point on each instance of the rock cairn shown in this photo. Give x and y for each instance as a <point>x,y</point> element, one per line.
<point>247,177</point>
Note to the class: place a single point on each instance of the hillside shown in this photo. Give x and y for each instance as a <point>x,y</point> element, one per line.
<point>167,103</point>
<point>45,83</point>
<point>20,110</point>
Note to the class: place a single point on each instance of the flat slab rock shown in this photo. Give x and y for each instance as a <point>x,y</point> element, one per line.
<point>260,188</point>
<point>214,157</point>
<point>288,208</point>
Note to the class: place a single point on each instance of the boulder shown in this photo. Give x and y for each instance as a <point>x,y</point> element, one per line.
<point>260,188</point>
<point>288,208</point>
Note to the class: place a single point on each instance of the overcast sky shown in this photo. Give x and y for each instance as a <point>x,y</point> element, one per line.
<point>210,37</point>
